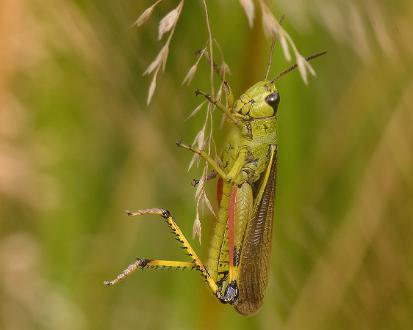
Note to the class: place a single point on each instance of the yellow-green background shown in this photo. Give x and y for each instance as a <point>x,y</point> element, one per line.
<point>78,145</point>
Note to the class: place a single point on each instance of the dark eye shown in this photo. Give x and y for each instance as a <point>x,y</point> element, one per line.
<point>272,100</point>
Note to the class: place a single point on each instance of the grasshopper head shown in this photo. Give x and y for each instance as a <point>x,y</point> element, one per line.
<point>259,101</point>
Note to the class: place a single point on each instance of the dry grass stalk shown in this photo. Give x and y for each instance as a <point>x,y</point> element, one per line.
<point>273,29</point>
<point>249,8</point>
<point>167,24</point>
<point>146,14</point>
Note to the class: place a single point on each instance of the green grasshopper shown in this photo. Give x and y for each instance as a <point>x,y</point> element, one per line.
<point>239,257</point>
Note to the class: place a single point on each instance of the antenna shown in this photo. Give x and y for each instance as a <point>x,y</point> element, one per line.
<point>293,67</point>
<point>272,50</point>
<point>270,58</point>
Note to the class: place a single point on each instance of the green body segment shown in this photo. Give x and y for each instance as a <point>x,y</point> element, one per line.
<point>256,137</point>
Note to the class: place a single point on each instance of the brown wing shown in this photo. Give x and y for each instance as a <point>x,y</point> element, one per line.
<point>256,250</point>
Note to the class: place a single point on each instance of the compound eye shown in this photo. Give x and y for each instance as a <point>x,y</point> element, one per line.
<point>272,100</point>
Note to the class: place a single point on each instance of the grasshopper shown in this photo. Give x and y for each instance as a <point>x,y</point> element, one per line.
<point>239,256</point>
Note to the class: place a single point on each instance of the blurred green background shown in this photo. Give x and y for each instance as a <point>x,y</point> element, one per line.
<point>78,146</point>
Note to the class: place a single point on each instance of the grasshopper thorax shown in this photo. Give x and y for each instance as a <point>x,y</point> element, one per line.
<point>259,101</point>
